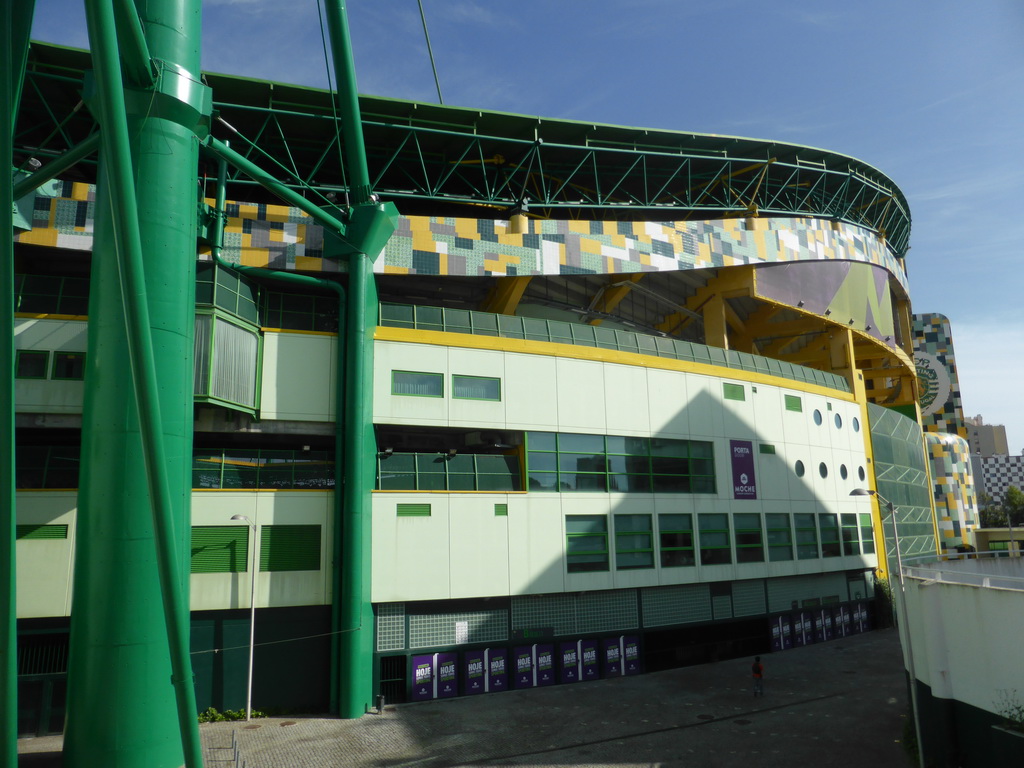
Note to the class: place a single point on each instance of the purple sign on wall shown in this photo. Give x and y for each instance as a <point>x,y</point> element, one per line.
<point>589,660</point>
<point>447,675</point>
<point>545,664</point>
<point>611,655</point>
<point>744,486</point>
<point>496,660</point>
<point>522,658</point>
<point>568,662</point>
<point>474,673</point>
<point>422,677</point>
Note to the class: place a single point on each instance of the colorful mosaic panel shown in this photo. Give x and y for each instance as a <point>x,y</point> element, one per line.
<point>956,503</point>
<point>281,237</point>
<point>940,402</point>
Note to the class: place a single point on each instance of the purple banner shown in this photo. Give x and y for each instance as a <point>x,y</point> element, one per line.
<point>447,675</point>
<point>744,486</point>
<point>589,660</point>
<point>631,655</point>
<point>422,678</point>
<point>568,662</point>
<point>522,658</point>
<point>545,664</point>
<point>474,674</point>
<point>777,634</point>
<point>496,661</point>
<point>611,655</point>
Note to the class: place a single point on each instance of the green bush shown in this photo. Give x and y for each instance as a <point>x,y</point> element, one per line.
<point>211,715</point>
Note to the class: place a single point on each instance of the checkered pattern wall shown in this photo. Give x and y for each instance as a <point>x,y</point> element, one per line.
<point>281,237</point>
<point>956,503</point>
<point>1000,472</point>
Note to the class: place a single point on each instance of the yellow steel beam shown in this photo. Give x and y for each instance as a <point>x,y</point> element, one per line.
<point>505,295</point>
<point>614,294</point>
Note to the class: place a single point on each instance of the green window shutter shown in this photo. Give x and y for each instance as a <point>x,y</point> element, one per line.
<point>793,403</point>
<point>414,510</point>
<point>733,391</point>
<point>290,548</point>
<point>41,532</point>
<point>501,510</point>
<point>220,548</point>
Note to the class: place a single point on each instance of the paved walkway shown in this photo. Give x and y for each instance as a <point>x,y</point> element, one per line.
<point>842,703</point>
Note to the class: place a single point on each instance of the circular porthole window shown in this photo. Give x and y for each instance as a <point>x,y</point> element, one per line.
<point>817,417</point>
<point>860,473</point>
<point>822,469</point>
<point>856,424</point>
<point>842,471</point>
<point>799,468</point>
<point>839,421</point>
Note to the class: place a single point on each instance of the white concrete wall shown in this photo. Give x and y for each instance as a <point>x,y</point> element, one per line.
<point>965,640</point>
<point>48,395</point>
<point>462,550</point>
<point>298,376</point>
<point>45,567</point>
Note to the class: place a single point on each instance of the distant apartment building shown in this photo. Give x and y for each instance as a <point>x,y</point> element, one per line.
<point>986,439</point>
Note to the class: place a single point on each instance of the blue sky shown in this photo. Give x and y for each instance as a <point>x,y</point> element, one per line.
<point>930,93</point>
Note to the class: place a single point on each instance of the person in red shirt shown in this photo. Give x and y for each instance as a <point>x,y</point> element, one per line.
<point>757,669</point>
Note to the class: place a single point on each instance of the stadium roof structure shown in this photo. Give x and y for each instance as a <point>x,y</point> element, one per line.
<point>441,160</point>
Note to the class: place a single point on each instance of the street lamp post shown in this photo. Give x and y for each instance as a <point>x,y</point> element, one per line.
<point>904,620</point>
<point>252,612</point>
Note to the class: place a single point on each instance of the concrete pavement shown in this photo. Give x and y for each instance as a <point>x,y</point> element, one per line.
<point>843,702</point>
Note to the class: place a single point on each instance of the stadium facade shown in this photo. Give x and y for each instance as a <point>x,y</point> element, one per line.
<point>622,383</point>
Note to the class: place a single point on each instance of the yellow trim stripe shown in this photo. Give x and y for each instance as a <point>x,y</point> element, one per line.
<point>553,349</point>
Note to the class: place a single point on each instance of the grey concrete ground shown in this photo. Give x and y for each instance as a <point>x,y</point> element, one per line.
<point>841,703</point>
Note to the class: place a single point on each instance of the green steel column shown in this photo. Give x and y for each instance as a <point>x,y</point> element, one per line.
<point>348,101</point>
<point>121,705</point>
<point>370,227</point>
<point>15,23</point>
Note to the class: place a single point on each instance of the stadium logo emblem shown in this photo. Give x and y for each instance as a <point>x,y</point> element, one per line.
<point>933,381</point>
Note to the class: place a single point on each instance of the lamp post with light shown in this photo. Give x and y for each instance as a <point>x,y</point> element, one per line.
<point>252,613</point>
<point>904,620</point>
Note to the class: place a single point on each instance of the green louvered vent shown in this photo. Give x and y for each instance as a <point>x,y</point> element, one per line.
<point>414,510</point>
<point>290,548</point>
<point>501,510</point>
<point>41,532</point>
<point>220,548</point>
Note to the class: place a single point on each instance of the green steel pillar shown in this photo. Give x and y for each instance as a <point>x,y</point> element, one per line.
<point>15,18</point>
<point>128,631</point>
<point>370,227</point>
<point>15,23</point>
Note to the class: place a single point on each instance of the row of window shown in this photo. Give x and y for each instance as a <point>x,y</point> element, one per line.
<point>420,384</point>
<point>844,473</point>
<point>565,462</point>
<point>675,542</point>
<point>793,403</point>
<point>41,466</point>
<point>453,320</point>
<point>215,286</point>
<point>448,472</point>
<point>36,364</point>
